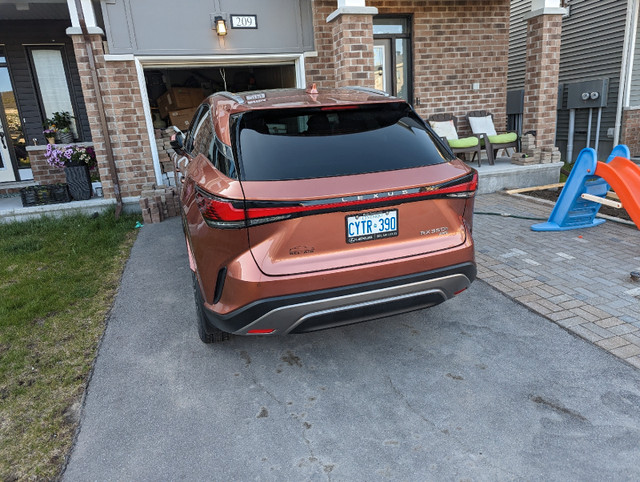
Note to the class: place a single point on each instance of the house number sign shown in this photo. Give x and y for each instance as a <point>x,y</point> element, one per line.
<point>244,21</point>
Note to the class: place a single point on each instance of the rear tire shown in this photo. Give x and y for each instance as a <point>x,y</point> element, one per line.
<point>207,333</point>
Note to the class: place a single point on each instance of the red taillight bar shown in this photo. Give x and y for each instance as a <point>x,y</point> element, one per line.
<point>230,213</point>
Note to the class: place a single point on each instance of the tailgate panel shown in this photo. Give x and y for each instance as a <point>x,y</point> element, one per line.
<point>317,242</point>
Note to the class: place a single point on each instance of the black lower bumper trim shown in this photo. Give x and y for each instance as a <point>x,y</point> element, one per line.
<point>318,319</point>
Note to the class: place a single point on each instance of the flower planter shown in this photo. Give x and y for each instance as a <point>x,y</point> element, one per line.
<point>79,181</point>
<point>64,137</point>
<point>48,194</point>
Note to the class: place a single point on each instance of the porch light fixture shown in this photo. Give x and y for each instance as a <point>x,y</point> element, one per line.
<point>221,26</point>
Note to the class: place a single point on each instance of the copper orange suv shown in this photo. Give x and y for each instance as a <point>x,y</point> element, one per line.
<point>305,210</point>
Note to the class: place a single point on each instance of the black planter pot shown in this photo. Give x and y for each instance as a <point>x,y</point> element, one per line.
<point>64,137</point>
<point>79,182</point>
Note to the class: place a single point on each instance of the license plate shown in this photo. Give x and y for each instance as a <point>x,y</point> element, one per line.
<point>370,226</point>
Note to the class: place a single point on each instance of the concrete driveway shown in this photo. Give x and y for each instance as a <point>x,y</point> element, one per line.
<point>477,388</point>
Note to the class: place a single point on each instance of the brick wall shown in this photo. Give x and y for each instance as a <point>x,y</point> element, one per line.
<point>541,77</point>
<point>43,172</point>
<point>630,134</point>
<point>455,43</point>
<point>353,47</point>
<point>125,116</point>
<point>322,68</point>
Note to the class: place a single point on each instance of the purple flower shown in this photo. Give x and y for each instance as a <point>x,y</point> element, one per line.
<point>68,153</point>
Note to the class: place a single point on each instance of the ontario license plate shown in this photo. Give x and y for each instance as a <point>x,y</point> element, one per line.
<point>370,226</point>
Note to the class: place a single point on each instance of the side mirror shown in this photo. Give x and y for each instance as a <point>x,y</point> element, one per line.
<point>178,142</point>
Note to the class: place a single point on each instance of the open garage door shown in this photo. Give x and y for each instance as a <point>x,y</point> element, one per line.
<point>175,91</point>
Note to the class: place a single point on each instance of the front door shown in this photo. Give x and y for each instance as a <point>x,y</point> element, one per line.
<point>392,56</point>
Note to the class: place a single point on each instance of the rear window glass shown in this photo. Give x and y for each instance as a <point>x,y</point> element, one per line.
<point>311,143</point>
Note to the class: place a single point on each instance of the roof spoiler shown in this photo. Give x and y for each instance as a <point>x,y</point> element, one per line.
<point>368,90</point>
<point>229,95</point>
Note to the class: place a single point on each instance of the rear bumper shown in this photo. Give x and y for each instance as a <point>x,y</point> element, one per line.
<point>318,310</point>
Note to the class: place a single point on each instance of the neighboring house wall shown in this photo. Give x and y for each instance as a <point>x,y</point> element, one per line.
<point>15,35</point>
<point>456,43</point>
<point>591,49</point>
<point>630,134</point>
<point>517,44</point>
<point>634,93</point>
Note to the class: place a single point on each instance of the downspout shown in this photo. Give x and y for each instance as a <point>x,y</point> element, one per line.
<point>627,59</point>
<point>103,117</point>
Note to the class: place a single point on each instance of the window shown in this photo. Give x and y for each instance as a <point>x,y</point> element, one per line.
<point>195,124</point>
<point>223,160</point>
<point>52,82</point>
<point>392,56</point>
<point>203,136</point>
<point>313,143</point>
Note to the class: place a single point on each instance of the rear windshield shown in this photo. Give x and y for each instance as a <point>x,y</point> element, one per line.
<point>345,140</point>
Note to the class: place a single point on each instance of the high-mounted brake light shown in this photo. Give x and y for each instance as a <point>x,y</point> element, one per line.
<point>340,107</point>
<point>232,213</point>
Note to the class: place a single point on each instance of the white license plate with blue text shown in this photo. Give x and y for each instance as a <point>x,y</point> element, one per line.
<point>370,226</point>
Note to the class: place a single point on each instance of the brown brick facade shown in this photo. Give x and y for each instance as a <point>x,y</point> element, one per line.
<point>125,116</point>
<point>541,77</point>
<point>353,50</point>
<point>43,172</point>
<point>456,43</point>
<point>630,134</point>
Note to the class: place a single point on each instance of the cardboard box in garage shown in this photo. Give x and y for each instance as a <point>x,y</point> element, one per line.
<point>178,98</point>
<point>182,118</point>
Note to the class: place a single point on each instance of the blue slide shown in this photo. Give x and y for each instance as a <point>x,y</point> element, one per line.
<point>571,211</point>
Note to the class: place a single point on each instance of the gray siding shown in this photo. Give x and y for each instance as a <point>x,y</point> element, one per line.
<point>517,44</point>
<point>15,35</point>
<point>167,27</point>
<point>634,94</point>
<point>592,45</point>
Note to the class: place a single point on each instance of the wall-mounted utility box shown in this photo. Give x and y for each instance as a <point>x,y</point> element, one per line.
<point>588,94</point>
<point>515,102</point>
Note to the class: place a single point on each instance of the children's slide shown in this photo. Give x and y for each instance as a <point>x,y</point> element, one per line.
<point>589,176</point>
<point>624,178</point>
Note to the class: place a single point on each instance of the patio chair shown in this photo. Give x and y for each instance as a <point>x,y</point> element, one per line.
<point>481,122</point>
<point>445,126</point>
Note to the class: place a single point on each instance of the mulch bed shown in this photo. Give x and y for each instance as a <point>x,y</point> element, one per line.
<point>552,195</point>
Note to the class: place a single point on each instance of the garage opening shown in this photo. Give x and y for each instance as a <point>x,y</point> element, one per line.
<point>175,93</point>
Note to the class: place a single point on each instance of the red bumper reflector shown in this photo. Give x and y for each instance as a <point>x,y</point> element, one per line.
<point>259,332</point>
<point>458,292</point>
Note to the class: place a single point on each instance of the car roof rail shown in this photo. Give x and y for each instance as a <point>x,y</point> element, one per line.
<point>370,90</point>
<point>231,96</point>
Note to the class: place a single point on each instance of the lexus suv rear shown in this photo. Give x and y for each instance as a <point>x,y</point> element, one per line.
<point>305,210</point>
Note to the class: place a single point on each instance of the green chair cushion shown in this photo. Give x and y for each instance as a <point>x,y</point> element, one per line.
<point>463,143</point>
<point>503,138</point>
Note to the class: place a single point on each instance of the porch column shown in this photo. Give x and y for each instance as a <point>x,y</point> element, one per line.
<point>544,28</point>
<point>121,99</point>
<point>352,30</point>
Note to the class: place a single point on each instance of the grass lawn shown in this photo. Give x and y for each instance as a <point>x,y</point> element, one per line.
<point>58,278</point>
